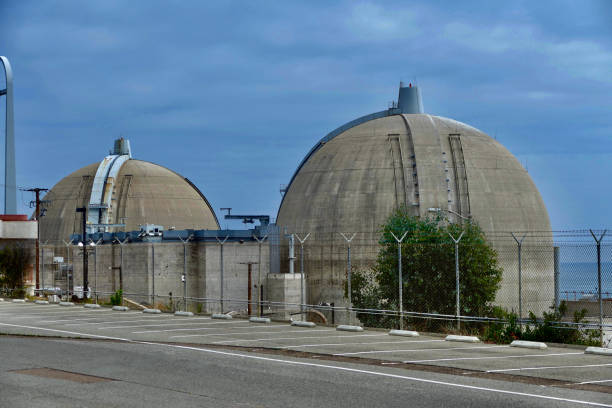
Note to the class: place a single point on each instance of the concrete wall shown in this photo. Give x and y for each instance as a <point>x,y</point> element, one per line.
<point>155,269</point>
<point>18,229</point>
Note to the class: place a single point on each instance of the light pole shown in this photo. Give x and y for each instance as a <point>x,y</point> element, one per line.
<point>85,259</point>
<point>86,247</point>
<point>400,278</point>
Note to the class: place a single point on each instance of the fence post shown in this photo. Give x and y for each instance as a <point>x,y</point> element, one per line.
<point>259,289</point>
<point>400,278</point>
<point>302,285</point>
<point>457,300</point>
<point>348,266</point>
<point>152,275</point>
<point>598,242</point>
<point>221,274</point>
<point>556,260</point>
<point>519,243</point>
<point>42,272</point>
<point>96,268</point>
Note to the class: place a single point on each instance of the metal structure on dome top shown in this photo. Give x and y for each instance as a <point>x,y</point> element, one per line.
<point>10,182</point>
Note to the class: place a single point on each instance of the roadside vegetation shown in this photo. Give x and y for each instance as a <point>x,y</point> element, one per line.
<point>14,260</point>
<point>428,260</point>
<point>428,265</point>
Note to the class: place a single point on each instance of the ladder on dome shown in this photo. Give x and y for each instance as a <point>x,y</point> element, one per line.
<point>462,198</point>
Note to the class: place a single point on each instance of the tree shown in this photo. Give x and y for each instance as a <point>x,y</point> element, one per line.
<point>428,264</point>
<point>14,259</point>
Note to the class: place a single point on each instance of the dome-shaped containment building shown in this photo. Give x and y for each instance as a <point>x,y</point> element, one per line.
<point>354,178</point>
<point>121,190</point>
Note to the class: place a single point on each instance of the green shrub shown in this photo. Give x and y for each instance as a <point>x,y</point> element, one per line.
<point>117,298</point>
<point>549,329</point>
<point>428,269</point>
<point>504,331</point>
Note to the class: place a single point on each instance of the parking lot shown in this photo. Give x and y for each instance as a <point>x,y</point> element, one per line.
<point>560,366</point>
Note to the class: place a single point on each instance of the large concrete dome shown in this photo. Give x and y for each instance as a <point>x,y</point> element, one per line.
<point>353,179</point>
<point>123,190</point>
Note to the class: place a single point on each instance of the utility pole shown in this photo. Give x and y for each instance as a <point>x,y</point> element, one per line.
<point>37,192</point>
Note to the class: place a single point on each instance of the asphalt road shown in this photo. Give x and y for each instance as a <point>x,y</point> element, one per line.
<point>152,375</point>
<point>146,360</point>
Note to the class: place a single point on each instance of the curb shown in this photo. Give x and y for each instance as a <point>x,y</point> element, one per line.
<point>529,344</point>
<point>405,333</point>
<point>91,305</point>
<point>221,316</point>
<point>259,320</point>
<point>303,324</point>
<point>18,300</point>
<point>120,308</point>
<point>598,350</point>
<point>41,302</point>
<point>464,339</point>
<point>346,327</point>
<point>152,311</point>
<point>180,313</point>
<point>66,304</point>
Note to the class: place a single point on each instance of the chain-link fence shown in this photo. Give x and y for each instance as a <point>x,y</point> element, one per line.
<point>349,277</point>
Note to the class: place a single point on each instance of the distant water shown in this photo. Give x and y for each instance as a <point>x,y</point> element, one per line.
<point>582,277</point>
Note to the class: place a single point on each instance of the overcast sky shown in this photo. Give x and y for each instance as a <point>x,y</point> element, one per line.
<point>232,95</point>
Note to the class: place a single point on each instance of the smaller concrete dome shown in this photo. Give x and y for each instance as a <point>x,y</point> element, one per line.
<point>129,191</point>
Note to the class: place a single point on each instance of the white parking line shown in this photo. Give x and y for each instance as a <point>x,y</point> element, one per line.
<point>417,350</point>
<point>332,367</point>
<point>124,314</point>
<point>146,319</point>
<point>590,382</point>
<point>189,329</point>
<point>296,338</point>
<point>490,358</point>
<point>186,323</point>
<point>372,342</point>
<point>548,368</point>
<point>381,374</point>
<point>63,311</point>
<point>235,334</point>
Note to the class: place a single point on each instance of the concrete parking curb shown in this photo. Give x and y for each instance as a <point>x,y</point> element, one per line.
<point>346,327</point>
<point>598,350</point>
<point>120,308</point>
<point>221,316</point>
<point>406,333</point>
<point>18,300</point>
<point>41,302</point>
<point>259,320</point>
<point>152,311</point>
<point>299,323</point>
<point>91,305</point>
<point>66,304</point>
<point>464,339</point>
<point>181,313</point>
<point>529,344</point>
